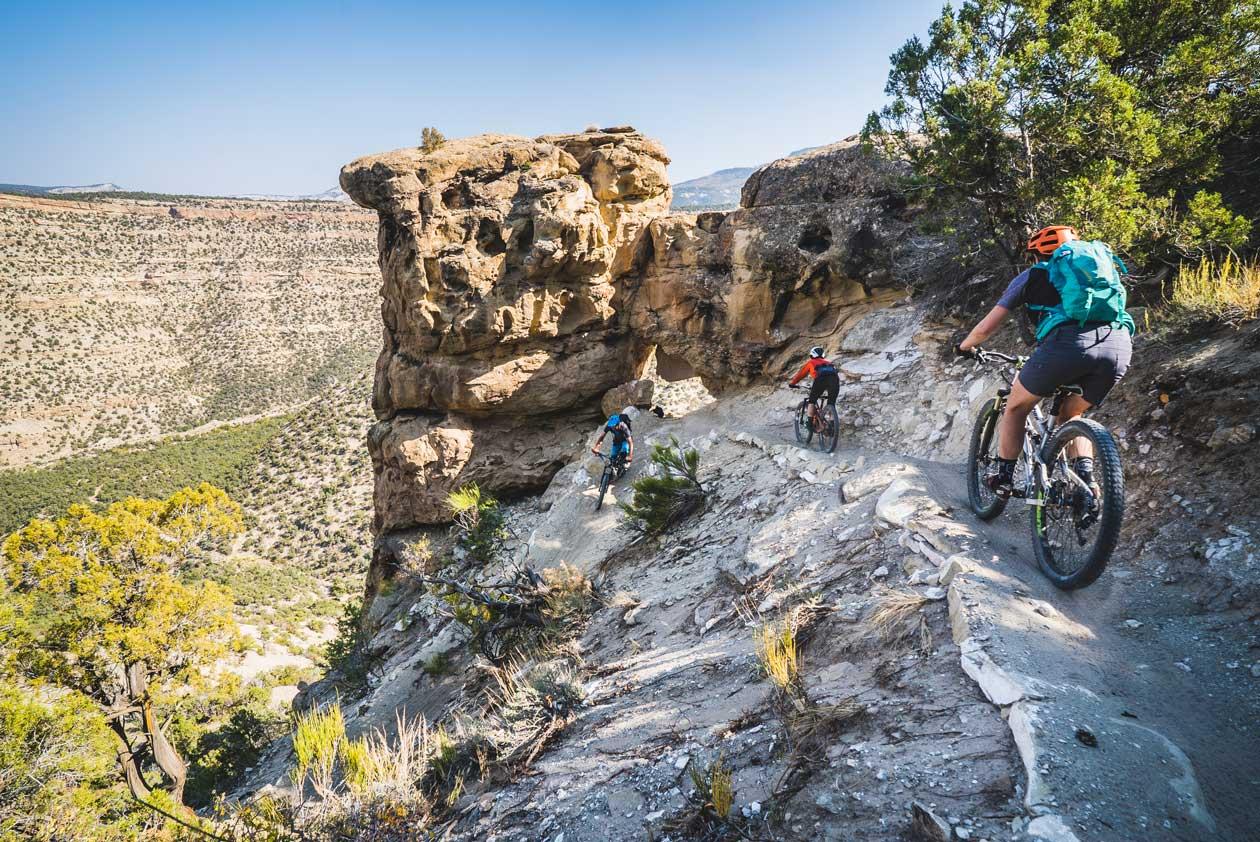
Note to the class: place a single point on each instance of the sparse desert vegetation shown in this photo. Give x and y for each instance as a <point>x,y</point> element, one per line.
<point>125,320</point>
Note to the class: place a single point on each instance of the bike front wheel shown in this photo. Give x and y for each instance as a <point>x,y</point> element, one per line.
<point>1074,531</point>
<point>603,487</point>
<point>984,443</point>
<point>829,429</point>
<point>804,429</point>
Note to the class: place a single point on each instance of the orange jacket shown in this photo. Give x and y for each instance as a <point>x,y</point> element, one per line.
<point>810,369</point>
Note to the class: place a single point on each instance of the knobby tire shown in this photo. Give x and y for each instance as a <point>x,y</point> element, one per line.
<point>1109,475</point>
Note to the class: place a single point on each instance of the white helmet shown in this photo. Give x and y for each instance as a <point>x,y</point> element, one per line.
<point>817,352</point>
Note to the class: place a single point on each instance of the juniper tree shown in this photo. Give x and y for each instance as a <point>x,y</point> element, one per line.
<point>1105,114</point>
<point>93,602</point>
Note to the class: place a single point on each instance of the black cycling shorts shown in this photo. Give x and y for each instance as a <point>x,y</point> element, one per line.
<point>825,384</point>
<point>1092,357</point>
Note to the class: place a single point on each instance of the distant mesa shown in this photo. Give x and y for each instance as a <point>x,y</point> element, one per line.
<point>719,190</point>
<point>332,194</point>
<point>36,190</point>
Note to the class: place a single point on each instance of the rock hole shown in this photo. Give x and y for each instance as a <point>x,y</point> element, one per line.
<point>458,196</point>
<point>490,238</point>
<point>815,239</point>
<point>678,390</point>
<point>523,236</point>
<point>863,253</point>
<point>577,312</point>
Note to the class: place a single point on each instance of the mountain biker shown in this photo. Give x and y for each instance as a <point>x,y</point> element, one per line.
<point>623,439</point>
<point>826,380</point>
<point>1091,354</point>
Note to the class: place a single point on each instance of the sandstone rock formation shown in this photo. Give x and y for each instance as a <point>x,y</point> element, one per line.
<point>728,291</point>
<point>636,393</point>
<point>524,279</point>
<point>498,256</point>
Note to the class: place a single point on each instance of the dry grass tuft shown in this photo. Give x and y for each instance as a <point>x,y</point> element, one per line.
<point>1228,291</point>
<point>776,650</point>
<point>894,610</point>
<point>714,785</point>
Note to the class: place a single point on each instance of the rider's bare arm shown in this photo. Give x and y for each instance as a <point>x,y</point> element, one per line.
<point>987,327</point>
<point>599,441</point>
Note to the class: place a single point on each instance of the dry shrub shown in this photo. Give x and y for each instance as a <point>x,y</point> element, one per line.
<point>1226,291</point>
<point>569,596</point>
<point>894,611</point>
<point>530,705</point>
<point>776,650</point>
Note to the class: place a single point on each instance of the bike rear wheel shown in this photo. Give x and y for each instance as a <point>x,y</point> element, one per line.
<point>603,486</point>
<point>804,429</point>
<point>984,442</point>
<point>829,434</point>
<point>1074,537</point>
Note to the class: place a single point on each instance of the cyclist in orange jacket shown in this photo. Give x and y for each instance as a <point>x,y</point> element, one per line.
<point>826,379</point>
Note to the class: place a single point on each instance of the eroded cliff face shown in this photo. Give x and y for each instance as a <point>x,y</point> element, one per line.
<point>737,294</point>
<point>498,256</point>
<point>525,279</point>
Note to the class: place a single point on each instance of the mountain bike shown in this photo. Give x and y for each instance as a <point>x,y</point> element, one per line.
<point>1075,525</point>
<point>614,469</point>
<point>825,425</point>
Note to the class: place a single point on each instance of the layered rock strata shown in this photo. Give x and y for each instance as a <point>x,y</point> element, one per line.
<point>729,292</point>
<point>498,256</point>
<point>524,279</point>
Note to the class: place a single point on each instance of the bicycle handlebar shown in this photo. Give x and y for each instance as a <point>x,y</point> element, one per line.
<point>985,356</point>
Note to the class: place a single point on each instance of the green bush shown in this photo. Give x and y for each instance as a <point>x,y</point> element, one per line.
<point>479,520</point>
<point>1106,116</point>
<point>673,493</point>
<point>431,139</point>
<point>151,470</point>
<point>58,775</point>
<point>221,754</point>
<point>347,652</point>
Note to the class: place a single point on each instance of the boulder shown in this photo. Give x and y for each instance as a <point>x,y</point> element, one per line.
<point>419,459</point>
<point>736,293</point>
<point>636,393</point>
<point>497,257</point>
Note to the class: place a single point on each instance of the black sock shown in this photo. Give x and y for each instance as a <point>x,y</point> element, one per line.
<point>1084,467</point>
<point>1006,469</point>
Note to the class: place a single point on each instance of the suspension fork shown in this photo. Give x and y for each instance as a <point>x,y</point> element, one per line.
<point>1038,474</point>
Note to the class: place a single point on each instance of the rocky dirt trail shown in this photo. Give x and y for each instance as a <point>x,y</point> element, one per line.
<point>1164,690</point>
<point>1134,710</point>
<point>1117,739</point>
<point>945,691</point>
<point>996,706</point>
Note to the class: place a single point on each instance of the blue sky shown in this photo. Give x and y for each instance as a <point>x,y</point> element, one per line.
<point>237,97</point>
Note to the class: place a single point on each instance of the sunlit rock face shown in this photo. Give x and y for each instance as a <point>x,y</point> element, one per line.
<point>731,291</point>
<point>498,257</point>
<point>524,280</point>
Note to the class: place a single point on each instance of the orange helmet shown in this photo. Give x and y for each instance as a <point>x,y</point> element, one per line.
<point>1048,239</point>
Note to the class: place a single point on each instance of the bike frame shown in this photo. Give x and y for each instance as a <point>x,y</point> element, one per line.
<point>1038,429</point>
<point>609,465</point>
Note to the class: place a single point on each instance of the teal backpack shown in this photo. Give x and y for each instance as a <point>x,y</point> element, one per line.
<point>1086,274</point>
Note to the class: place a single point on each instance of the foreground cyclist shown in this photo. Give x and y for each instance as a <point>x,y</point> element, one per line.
<point>1076,301</point>
<point>623,439</point>
<point>826,380</point>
